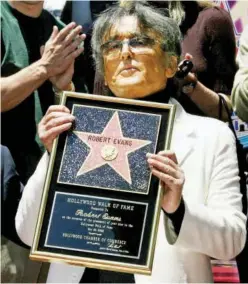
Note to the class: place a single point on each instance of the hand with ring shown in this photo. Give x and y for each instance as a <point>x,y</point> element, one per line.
<point>164,166</point>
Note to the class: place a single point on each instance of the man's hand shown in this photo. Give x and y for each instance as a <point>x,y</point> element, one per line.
<point>56,120</point>
<point>61,49</point>
<point>56,61</point>
<point>63,80</point>
<point>164,165</point>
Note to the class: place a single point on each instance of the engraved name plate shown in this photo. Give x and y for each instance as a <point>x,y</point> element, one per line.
<point>97,225</point>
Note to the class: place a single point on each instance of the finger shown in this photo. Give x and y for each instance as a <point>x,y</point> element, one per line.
<point>82,36</point>
<point>65,31</point>
<point>169,154</point>
<point>54,32</point>
<point>72,47</point>
<point>72,35</point>
<point>57,108</point>
<point>56,114</point>
<point>188,56</point>
<point>58,121</point>
<point>163,159</point>
<point>163,167</point>
<point>47,137</point>
<point>73,55</point>
<point>167,179</point>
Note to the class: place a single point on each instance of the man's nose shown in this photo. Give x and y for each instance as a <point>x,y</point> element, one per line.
<point>126,51</point>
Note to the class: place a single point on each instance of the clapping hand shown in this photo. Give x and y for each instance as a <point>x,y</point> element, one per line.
<point>60,52</point>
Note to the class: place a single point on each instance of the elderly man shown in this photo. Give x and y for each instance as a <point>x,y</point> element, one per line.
<point>27,30</point>
<point>137,49</point>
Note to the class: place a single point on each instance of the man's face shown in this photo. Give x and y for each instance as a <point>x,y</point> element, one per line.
<point>134,63</point>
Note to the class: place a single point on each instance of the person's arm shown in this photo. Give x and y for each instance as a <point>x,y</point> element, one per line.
<point>206,99</point>
<point>18,87</point>
<point>240,87</point>
<point>216,228</point>
<point>220,54</point>
<point>59,53</point>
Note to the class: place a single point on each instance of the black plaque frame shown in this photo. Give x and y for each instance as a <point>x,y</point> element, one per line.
<point>146,207</point>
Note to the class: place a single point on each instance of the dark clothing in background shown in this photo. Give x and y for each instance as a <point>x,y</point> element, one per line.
<point>208,36</point>
<point>66,13</point>
<point>11,191</point>
<point>103,276</point>
<point>84,66</point>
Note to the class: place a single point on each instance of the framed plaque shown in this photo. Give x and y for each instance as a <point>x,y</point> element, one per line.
<point>100,206</point>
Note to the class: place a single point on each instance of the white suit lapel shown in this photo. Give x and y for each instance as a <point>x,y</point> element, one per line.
<point>184,134</point>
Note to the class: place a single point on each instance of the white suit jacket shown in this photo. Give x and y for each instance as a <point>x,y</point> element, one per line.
<point>213,224</point>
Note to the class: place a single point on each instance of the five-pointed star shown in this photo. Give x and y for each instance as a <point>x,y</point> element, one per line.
<point>111,138</point>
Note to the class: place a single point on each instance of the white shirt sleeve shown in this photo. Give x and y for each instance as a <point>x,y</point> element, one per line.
<point>28,209</point>
<point>216,228</point>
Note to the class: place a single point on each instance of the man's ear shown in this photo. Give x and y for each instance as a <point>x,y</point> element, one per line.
<point>171,68</point>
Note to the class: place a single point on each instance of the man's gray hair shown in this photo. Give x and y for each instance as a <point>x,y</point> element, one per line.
<point>149,18</point>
